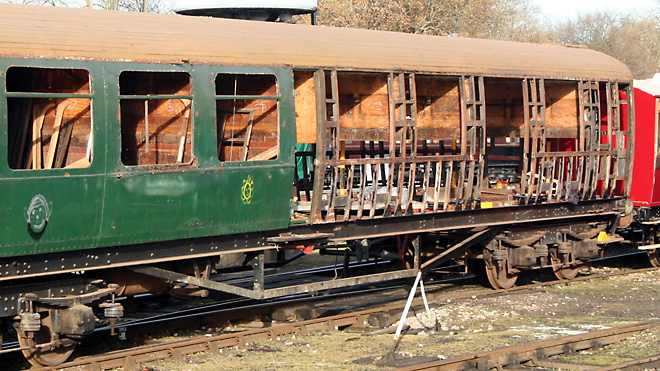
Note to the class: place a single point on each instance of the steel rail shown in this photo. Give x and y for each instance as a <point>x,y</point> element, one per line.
<point>535,352</point>
<point>131,359</point>
<point>635,365</point>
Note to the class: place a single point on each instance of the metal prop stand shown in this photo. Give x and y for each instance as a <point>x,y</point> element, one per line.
<point>404,315</point>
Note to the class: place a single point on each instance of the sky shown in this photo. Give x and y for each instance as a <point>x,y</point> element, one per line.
<point>566,9</point>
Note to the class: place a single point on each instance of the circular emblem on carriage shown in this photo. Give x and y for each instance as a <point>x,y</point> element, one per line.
<point>246,190</point>
<point>38,213</point>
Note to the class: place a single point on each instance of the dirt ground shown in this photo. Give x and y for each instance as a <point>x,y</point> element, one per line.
<point>467,326</point>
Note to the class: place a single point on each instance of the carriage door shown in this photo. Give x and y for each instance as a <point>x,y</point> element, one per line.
<point>52,176</point>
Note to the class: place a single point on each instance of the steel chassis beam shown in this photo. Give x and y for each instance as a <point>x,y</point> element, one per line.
<point>258,291</point>
<point>12,268</point>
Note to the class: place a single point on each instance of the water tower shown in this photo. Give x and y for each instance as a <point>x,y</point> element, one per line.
<point>261,10</point>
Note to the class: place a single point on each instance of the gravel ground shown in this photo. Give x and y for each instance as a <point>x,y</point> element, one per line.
<point>464,327</point>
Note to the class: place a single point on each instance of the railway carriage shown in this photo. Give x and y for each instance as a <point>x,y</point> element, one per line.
<point>140,151</point>
<point>645,190</point>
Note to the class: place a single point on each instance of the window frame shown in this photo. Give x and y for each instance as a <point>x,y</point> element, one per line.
<point>277,98</point>
<point>97,107</point>
<point>115,69</point>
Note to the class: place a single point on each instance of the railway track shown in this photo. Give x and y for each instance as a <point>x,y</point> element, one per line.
<point>535,355</point>
<point>130,359</point>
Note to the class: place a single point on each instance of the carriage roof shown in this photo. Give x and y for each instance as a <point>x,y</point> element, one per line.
<point>52,32</point>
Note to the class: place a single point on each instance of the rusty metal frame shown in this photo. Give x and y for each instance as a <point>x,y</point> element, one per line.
<point>403,124</point>
<point>459,248</point>
<point>589,139</point>
<point>534,106</point>
<point>259,292</point>
<point>400,171</point>
<point>590,172</point>
<point>327,130</point>
<point>473,141</point>
<point>376,186</point>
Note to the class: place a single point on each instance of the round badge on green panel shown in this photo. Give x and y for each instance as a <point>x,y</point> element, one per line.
<point>38,213</point>
<point>247,189</point>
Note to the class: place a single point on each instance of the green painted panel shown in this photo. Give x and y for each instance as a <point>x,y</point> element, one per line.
<point>211,197</point>
<point>148,207</point>
<point>55,209</point>
<point>64,213</point>
<point>112,204</point>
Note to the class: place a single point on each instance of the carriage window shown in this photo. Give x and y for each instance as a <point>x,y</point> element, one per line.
<point>156,118</point>
<point>49,118</point>
<point>247,117</point>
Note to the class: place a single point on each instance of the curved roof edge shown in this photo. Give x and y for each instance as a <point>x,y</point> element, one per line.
<point>52,32</point>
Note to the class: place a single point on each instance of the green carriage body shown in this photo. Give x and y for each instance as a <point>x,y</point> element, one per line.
<point>111,204</point>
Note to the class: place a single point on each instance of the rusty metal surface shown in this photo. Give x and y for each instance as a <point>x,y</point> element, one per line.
<point>97,34</point>
<point>133,357</point>
<point>500,358</point>
<point>402,180</point>
<point>648,363</point>
<point>258,292</point>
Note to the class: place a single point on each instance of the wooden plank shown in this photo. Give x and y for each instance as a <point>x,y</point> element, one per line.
<point>267,154</point>
<point>305,104</point>
<point>505,110</point>
<point>57,126</point>
<point>184,133</point>
<point>37,144</point>
<point>363,100</point>
<point>63,145</point>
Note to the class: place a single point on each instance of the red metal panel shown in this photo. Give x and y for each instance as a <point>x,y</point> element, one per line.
<point>653,152</point>
<point>642,191</point>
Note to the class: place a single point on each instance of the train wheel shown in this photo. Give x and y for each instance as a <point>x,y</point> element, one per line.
<point>654,257</point>
<point>46,356</point>
<point>566,273</point>
<point>498,275</point>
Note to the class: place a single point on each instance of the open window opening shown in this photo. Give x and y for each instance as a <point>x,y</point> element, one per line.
<point>156,118</point>
<point>247,117</point>
<point>49,118</point>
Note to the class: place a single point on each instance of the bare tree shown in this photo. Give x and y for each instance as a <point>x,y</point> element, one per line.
<point>633,39</point>
<point>153,6</point>
<point>500,19</point>
<point>38,2</point>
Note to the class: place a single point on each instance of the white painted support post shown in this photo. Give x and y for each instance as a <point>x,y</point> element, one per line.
<point>426,302</point>
<point>405,312</point>
<point>426,305</point>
